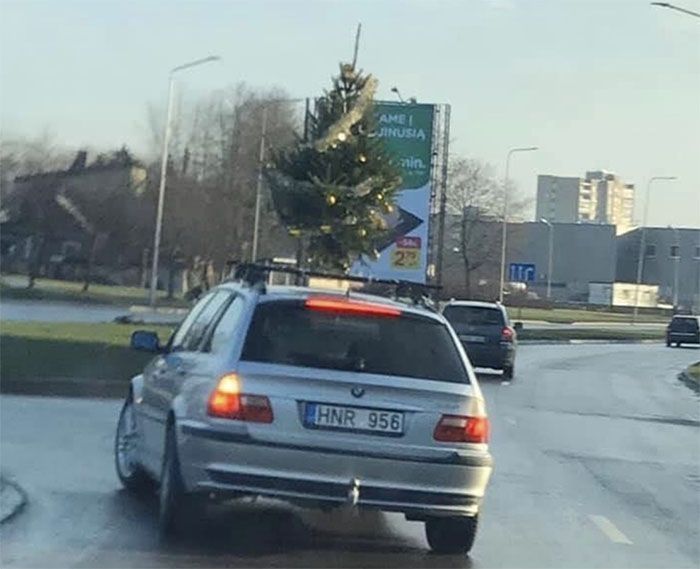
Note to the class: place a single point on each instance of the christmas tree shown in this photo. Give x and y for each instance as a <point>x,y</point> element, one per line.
<point>334,189</point>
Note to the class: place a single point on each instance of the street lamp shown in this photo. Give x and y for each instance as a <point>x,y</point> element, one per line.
<point>261,158</point>
<point>164,168</point>
<point>398,94</point>
<point>676,265</point>
<point>676,8</point>
<point>550,260</point>
<point>505,216</point>
<point>643,242</point>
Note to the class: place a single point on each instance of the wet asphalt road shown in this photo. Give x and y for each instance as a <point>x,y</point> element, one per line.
<point>597,451</point>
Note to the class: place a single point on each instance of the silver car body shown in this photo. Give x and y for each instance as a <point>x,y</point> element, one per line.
<point>285,459</point>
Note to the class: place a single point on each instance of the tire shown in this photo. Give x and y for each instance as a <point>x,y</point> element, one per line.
<point>130,473</point>
<point>509,372</point>
<point>451,535</point>
<point>178,510</point>
<point>678,344</point>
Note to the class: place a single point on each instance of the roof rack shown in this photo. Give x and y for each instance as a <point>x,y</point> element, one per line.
<point>257,274</point>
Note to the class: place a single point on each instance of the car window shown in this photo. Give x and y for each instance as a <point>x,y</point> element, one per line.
<point>474,315</point>
<point>227,326</point>
<point>684,324</point>
<point>186,324</point>
<point>287,333</point>
<point>197,330</point>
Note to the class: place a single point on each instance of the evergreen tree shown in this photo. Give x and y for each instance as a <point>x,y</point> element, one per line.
<point>335,188</point>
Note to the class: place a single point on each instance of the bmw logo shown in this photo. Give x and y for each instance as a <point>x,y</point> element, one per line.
<point>357,391</point>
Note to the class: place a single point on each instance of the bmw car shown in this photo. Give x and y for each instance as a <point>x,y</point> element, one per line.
<point>317,398</point>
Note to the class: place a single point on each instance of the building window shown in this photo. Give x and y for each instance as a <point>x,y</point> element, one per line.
<point>675,252</point>
<point>650,251</point>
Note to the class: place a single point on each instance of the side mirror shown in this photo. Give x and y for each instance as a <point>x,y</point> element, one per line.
<point>145,341</point>
<point>518,326</point>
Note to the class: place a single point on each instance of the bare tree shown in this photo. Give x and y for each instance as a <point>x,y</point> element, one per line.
<point>474,210</point>
<point>210,202</point>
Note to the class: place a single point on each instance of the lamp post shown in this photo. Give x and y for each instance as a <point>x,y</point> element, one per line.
<point>643,242</point>
<point>261,159</point>
<point>676,265</point>
<point>395,90</point>
<point>550,259</point>
<point>676,8</point>
<point>164,170</point>
<point>505,216</point>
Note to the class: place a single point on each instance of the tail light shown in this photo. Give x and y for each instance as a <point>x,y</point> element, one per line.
<point>340,305</point>
<point>507,334</point>
<point>460,429</point>
<point>227,402</point>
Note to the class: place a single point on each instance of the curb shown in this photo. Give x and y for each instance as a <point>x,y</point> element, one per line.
<point>139,309</point>
<point>585,342</point>
<point>13,499</point>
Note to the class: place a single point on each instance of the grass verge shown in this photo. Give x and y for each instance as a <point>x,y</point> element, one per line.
<point>693,373</point>
<point>14,287</point>
<point>570,315</point>
<point>41,351</point>
<point>558,335</point>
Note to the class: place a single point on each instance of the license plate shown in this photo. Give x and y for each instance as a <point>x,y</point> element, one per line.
<point>473,339</point>
<point>320,416</point>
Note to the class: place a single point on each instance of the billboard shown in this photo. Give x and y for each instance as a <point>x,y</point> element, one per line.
<point>407,130</point>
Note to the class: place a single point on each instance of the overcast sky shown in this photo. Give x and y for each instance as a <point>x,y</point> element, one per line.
<point>596,84</point>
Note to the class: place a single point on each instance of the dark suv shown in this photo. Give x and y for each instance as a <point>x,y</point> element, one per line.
<point>485,332</point>
<point>683,330</point>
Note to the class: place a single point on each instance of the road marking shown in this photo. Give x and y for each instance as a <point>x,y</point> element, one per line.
<point>610,529</point>
<point>511,421</point>
<point>505,383</point>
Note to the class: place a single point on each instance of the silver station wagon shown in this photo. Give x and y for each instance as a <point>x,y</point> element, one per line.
<point>318,398</point>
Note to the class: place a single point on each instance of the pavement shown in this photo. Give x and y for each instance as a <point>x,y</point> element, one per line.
<point>597,454</point>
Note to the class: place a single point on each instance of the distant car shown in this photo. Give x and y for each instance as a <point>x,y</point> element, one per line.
<point>485,332</point>
<point>683,330</point>
<point>320,399</point>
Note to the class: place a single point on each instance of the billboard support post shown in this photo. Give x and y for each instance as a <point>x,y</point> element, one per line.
<point>445,151</point>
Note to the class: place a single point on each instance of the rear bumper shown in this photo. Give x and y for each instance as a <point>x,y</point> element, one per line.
<point>686,338</point>
<point>495,356</point>
<point>224,462</point>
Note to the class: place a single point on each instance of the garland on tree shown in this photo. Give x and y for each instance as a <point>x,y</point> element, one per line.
<point>335,188</point>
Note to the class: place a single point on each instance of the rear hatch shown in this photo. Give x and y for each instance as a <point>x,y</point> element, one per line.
<point>686,326</point>
<point>354,375</point>
<point>476,324</point>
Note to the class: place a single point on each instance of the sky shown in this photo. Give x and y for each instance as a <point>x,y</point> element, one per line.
<point>595,84</point>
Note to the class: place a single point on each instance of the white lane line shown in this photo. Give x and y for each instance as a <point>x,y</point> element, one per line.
<point>610,529</point>
<point>511,421</point>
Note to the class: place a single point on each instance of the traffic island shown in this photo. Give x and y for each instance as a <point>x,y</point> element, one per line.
<point>691,376</point>
<point>69,359</point>
<point>12,499</point>
<point>580,335</point>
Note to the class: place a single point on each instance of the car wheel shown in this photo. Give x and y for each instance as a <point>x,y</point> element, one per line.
<point>178,509</point>
<point>509,372</point>
<point>678,344</point>
<point>451,535</point>
<point>129,471</point>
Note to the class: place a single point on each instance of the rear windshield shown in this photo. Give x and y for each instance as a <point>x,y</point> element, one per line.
<point>474,316</point>
<point>684,324</point>
<point>288,333</point>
